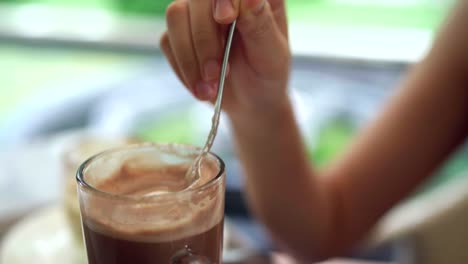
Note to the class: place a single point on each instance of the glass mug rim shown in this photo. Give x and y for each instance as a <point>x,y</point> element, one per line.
<point>80,175</point>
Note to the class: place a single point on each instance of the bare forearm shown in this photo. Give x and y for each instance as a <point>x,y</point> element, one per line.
<point>280,185</point>
<point>416,132</point>
<point>418,129</point>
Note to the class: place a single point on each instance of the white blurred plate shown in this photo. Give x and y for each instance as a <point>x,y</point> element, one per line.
<point>43,237</point>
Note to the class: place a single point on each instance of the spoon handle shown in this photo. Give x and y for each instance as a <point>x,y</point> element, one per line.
<point>219,97</point>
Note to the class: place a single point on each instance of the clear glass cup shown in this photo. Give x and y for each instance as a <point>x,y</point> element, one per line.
<point>136,207</point>
<point>73,156</point>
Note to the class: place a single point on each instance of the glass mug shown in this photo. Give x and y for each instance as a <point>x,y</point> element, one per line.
<point>73,156</point>
<point>136,207</point>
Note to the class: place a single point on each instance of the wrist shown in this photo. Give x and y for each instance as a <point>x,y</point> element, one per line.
<point>262,115</point>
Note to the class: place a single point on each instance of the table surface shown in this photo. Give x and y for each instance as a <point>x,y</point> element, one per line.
<point>44,237</point>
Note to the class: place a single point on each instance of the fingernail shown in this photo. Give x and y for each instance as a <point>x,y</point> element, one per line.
<point>211,70</point>
<point>257,6</point>
<point>224,9</point>
<point>205,91</point>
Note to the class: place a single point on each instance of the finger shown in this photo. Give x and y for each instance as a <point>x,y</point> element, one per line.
<point>278,7</point>
<point>167,50</point>
<point>206,39</point>
<point>262,39</point>
<point>180,37</point>
<point>225,11</point>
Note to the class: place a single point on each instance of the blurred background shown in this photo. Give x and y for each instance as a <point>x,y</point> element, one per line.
<point>92,68</point>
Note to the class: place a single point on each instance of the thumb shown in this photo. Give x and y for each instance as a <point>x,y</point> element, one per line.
<point>264,43</point>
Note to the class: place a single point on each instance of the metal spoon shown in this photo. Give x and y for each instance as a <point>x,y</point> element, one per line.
<point>191,175</point>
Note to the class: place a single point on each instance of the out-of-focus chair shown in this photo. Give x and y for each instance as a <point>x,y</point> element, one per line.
<point>432,228</point>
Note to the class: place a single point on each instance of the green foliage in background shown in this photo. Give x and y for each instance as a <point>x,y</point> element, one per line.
<point>176,127</point>
<point>136,7</point>
<point>143,7</point>
<point>332,139</point>
<point>422,14</point>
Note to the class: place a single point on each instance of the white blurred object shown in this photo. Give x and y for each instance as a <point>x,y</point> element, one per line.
<point>84,25</point>
<point>30,177</point>
<point>366,44</point>
<point>43,237</point>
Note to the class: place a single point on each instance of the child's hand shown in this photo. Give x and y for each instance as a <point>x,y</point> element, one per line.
<point>260,57</point>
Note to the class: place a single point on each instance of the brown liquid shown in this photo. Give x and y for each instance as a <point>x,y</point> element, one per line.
<point>106,249</point>
<point>168,231</point>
